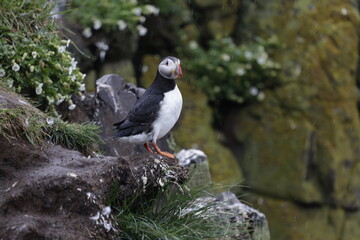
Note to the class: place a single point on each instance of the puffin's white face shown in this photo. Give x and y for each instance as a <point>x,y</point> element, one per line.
<point>170,68</point>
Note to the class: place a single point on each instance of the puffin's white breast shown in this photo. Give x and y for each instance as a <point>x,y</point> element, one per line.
<point>169,112</point>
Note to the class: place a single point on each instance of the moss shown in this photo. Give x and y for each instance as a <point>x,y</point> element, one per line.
<point>319,60</point>
<point>288,220</point>
<point>194,130</point>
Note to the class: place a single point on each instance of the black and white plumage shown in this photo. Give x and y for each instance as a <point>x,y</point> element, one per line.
<point>156,111</point>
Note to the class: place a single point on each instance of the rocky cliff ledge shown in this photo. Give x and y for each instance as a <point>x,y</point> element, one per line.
<point>51,192</point>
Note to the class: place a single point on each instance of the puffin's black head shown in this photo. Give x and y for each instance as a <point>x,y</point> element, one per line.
<point>169,67</point>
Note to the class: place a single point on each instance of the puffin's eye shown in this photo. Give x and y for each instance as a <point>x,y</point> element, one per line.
<point>167,63</point>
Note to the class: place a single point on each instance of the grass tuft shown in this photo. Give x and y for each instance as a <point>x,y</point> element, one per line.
<point>38,128</point>
<point>82,137</point>
<point>171,215</point>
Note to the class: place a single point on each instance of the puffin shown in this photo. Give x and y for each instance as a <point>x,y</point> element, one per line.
<point>156,111</point>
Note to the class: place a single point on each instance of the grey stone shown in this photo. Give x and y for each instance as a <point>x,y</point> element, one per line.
<point>197,162</point>
<point>244,222</point>
<point>252,223</point>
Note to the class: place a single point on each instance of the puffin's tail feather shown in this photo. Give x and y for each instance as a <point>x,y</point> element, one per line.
<point>127,128</point>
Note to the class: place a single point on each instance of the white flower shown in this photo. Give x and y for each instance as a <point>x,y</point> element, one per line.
<point>15,67</point>
<point>225,57</point>
<point>136,11</point>
<point>240,71</point>
<point>248,55</point>
<point>61,49</point>
<point>50,120</point>
<point>83,76</point>
<point>72,107</point>
<point>73,78</point>
<point>261,96</point>
<point>97,24</point>
<point>62,98</point>
<point>102,55</point>
<point>142,19</point>
<point>2,72</point>
<point>67,43</point>
<point>32,68</point>
<point>141,29</point>
<point>39,89</point>
<point>193,44</point>
<point>152,9</point>
<point>82,87</point>
<point>73,63</point>
<point>344,11</point>
<point>262,59</point>
<point>82,98</point>
<point>50,100</point>
<point>121,25</point>
<point>87,32</point>
<point>102,46</point>
<point>34,54</point>
<point>254,91</point>
<point>70,70</point>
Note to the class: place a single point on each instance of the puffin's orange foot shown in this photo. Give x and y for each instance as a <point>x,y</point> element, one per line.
<point>166,154</point>
<point>148,147</point>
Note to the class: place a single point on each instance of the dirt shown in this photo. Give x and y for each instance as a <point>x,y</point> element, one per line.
<point>52,192</point>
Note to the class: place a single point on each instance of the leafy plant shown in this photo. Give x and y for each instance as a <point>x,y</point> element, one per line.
<point>33,57</point>
<point>110,15</point>
<point>226,71</point>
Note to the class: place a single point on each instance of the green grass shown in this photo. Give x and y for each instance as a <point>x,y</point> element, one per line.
<point>38,128</point>
<point>166,216</point>
<point>82,137</point>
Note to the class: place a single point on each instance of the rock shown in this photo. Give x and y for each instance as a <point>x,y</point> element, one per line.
<point>314,222</point>
<point>198,165</point>
<point>301,145</point>
<point>114,99</point>
<point>111,103</point>
<point>249,223</point>
<point>55,193</point>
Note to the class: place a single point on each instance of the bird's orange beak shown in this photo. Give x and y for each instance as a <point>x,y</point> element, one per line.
<point>180,72</point>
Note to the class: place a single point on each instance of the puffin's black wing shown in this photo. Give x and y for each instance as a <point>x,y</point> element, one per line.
<point>141,116</point>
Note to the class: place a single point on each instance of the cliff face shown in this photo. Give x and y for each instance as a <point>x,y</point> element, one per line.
<point>299,150</point>
<point>56,193</point>
<point>50,192</point>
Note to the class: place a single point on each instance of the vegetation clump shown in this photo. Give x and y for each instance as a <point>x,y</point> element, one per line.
<point>111,15</point>
<point>230,72</point>
<point>173,214</point>
<point>18,119</point>
<point>33,57</point>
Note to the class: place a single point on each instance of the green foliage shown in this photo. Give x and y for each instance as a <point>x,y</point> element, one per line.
<point>33,57</point>
<point>38,128</point>
<point>82,137</point>
<point>110,15</point>
<point>235,73</point>
<point>171,215</point>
